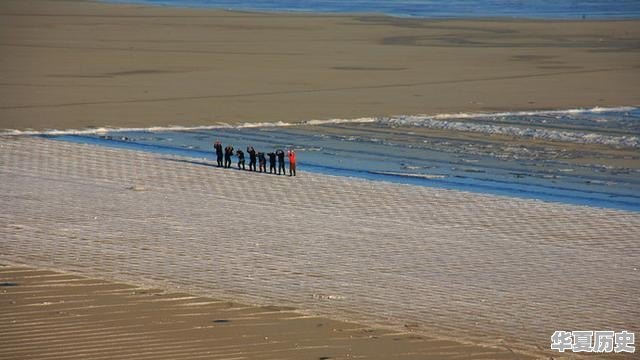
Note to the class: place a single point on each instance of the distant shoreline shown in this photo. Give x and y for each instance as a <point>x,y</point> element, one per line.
<point>307,12</point>
<point>453,116</point>
<point>84,64</point>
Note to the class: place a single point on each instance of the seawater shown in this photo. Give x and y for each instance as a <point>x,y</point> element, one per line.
<point>541,9</point>
<point>399,151</point>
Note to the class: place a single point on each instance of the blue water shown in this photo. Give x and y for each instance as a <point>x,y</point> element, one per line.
<point>376,151</point>
<point>540,9</point>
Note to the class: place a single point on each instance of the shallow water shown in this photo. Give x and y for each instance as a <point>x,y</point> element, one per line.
<point>544,9</point>
<point>409,150</point>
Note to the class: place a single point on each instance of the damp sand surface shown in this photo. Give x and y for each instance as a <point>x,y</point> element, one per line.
<point>488,268</point>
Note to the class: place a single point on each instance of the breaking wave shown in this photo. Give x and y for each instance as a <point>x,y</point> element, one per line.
<point>535,133</point>
<point>454,121</point>
<point>593,110</point>
<point>460,122</point>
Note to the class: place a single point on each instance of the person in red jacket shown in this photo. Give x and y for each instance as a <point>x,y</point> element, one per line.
<point>292,162</point>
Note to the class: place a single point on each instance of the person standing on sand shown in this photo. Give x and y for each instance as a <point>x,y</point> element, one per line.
<point>272,162</point>
<point>228,153</point>
<point>252,158</point>
<point>240,159</point>
<point>292,162</point>
<point>262,162</point>
<point>218,146</point>
<point>280,155</point>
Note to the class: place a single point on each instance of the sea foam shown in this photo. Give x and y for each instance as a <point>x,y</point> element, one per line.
<point>451,121</point>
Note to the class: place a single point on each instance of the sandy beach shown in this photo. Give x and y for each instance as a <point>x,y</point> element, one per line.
<point>113,253</point>
<point>75,64</point>
<point>53,315</point>
<point>497,271</point>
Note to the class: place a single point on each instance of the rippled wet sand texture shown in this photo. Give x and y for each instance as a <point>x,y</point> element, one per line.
<point>493,269</point>
<point>53,315</point>
<point>74,64</point>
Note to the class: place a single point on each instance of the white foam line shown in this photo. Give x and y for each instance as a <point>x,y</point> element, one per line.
<point>103,130</point>
<point>594,110</point>
<point>340,121</point>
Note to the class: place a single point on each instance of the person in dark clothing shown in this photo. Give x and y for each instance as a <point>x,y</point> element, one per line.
<point>280,155</point>
<point>252,158</point>
<point>240,159</point>
<point>262,162</point>
<point>228,153</point>
<point>218,146</point>
<point>272,162</point>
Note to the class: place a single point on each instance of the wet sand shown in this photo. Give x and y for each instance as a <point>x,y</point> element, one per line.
<point>54,315</point>
<point>76,64</point>
<point>494,270</point>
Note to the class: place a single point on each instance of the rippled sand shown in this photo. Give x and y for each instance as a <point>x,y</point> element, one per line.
<point>47,315</point>
<point>493,269</point>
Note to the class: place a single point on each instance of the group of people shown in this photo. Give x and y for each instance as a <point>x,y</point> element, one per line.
<point>277,156</point>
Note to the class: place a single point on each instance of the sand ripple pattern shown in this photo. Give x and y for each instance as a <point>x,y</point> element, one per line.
<point>495,269</point>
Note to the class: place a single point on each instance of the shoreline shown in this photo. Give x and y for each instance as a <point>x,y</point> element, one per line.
<point>367,14</point>
<point>74,65</point>
<point>460,116</point>
<point>586,165</point>
<point>562,186</point>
